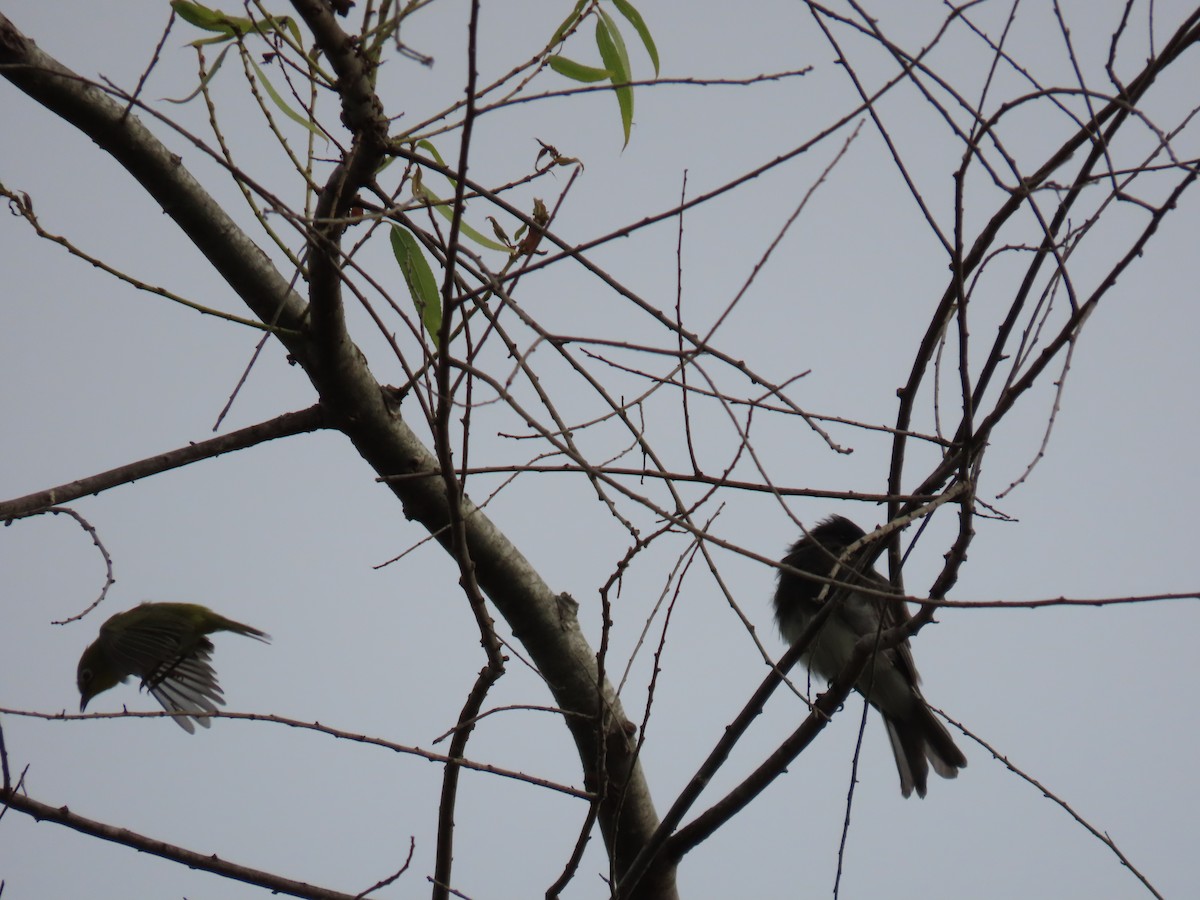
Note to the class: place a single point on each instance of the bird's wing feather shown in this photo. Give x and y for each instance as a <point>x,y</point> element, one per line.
<point>187,685</point>
<point>140,648</point>
<point>894,612</point>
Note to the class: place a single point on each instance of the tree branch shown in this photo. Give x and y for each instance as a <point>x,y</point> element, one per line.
<point>206,862</point>
<point>286,425</point>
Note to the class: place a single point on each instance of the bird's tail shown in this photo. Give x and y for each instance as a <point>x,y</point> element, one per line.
<point>919,741</point>
<point>250,631</point>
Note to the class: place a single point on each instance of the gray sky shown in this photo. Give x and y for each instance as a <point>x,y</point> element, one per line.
<point>1097,704</point>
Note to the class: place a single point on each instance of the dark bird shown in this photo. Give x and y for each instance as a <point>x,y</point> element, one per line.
<point>889,682</point>
<point>166,645</point>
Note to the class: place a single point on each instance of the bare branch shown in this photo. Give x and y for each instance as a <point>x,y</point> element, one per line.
<point>286,425</point>
<point>205,862</point>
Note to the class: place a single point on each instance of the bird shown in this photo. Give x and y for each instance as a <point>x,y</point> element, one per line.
<point>889,682</point>
<point>166,645</point>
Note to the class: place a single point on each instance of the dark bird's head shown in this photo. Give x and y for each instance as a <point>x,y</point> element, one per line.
<point>817,552</point>
<point>95,674</point>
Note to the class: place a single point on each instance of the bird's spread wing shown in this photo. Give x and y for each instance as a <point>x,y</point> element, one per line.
<point>140,648</point>
<point>180,678</point>
<point>188,685</point>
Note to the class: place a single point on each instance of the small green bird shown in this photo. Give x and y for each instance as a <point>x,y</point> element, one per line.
<point>165,645</point>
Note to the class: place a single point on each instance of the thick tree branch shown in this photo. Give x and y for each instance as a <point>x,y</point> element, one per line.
<point>162,174</point>
<point>205,862</point>
<point>286,425</point>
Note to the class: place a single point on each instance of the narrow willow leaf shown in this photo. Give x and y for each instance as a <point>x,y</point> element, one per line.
<point>433,151</point>
<point>287,110</point>
<point>227,26</point>
<point>295,30</point>
<point>279,24</point>
<point>212,19</point>
<point>425,195</point>
<point>634,18</point>
<point>443,207</point>
<point>471,234</point>
<point>216,39</point>
<point>205,80</point>
<point>200,16</point>
<point>568,23</point>
<point>612,51</point>
<point>618,42</point>
<point>419,278</point>
<point>577,71</point>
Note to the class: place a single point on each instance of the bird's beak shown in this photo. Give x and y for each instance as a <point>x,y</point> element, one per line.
<point>83,703</point>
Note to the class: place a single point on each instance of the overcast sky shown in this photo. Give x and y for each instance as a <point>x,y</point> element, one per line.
<point>1096,703</point>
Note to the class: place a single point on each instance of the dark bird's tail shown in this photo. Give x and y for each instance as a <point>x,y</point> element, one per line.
<point>919,741</point>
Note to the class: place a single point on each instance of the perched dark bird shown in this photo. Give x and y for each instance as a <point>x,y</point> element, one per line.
<point>166,645</point>
<point>889,682</point>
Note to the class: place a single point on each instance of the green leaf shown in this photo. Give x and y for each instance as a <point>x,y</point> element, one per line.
<point>620,63</point>
<point>291,26</point>
<point>287,110</point>
<point>577,71</point>
<point>418,188</point>
<point>207,78</point>
<point>279,24</point>
<point>227,26</point>
<point>443,208</point>
<point>212,19</point>
<point>424,194</point>
<point>200,16</point>
<point>568,23</point>
<point>625,8</point>
<point>612,51</point>
<point>426,145</point>
<point>419,278</point>
<point>468,232</point>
